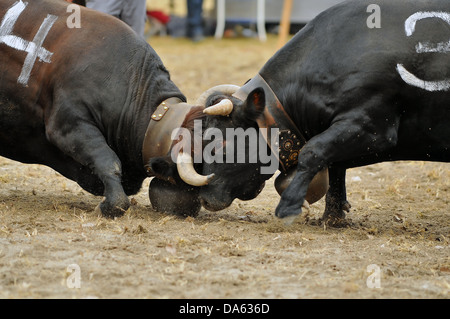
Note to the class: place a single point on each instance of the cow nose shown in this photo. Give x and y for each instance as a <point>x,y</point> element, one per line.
<point>206,204</point>
<point>253,193</point>
<point>213,206</point>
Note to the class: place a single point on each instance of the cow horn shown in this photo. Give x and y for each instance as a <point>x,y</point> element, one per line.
<point>186,170</point>
<point>227,89</point>
<point>224,108</point>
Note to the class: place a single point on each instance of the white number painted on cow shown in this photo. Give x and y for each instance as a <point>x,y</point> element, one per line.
<point>34,48</point>
<point>441,47</point>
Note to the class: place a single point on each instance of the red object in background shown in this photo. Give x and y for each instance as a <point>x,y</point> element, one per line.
<point>158,15</point>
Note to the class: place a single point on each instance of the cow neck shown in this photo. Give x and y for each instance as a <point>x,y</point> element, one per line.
<point>290,141</point>
<point>168,116</point>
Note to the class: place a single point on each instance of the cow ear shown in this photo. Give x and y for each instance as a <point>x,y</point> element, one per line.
<point>255,104</point>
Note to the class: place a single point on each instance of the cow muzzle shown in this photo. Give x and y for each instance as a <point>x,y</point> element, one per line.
<point>215,204</point>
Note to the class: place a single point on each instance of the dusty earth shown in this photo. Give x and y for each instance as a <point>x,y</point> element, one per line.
<point>50,235</point>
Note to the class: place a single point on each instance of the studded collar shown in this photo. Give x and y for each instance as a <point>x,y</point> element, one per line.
<point>290,141</point>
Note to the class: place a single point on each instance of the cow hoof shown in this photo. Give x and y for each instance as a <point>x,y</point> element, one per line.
<point>109,210</point>
<point>289,219</point>
<point>334,215</point>
<point>336,222</point>
<point>287,213</point>
<point>335,219</point>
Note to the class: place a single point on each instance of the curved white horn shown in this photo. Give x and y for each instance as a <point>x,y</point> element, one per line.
<point>227,89</point>
<point>186,170</point>
<point>224,108</point>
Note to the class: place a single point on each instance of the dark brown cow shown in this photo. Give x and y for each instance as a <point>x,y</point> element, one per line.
<point>80,100</point>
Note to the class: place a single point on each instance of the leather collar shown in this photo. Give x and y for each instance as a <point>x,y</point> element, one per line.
<point>290,140</point>
<point>168,116</point>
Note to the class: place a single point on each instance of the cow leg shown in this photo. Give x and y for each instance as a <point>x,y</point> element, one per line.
<point>345,140</point>
<point>336,199</point>
<point>84,142</point>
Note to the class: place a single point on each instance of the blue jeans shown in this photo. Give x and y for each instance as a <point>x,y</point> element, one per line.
<point>194,18</point>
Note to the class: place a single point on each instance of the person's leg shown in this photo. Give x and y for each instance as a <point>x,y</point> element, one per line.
<point>135,14</point>
<point>194,19</point>
<point>112,7</point>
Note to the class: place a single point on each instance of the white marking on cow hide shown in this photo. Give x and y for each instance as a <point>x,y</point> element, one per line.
<point>426,47</point>
<point>411,79</point>
<point>34,48</point>
<point>410,27</point>
<point>410,23</point>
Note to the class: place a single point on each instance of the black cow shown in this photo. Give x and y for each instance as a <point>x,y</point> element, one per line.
<point>366,81</point>
<point>95,103</point>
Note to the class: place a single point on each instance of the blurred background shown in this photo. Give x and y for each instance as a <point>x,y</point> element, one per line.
<point>232,56</point>
<point>240,17</point>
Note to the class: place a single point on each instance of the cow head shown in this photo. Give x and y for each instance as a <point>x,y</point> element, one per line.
<point>207,171</point>
<point>233,156</point>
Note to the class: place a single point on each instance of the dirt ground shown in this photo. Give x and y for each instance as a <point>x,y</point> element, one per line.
<point>50,235</point>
